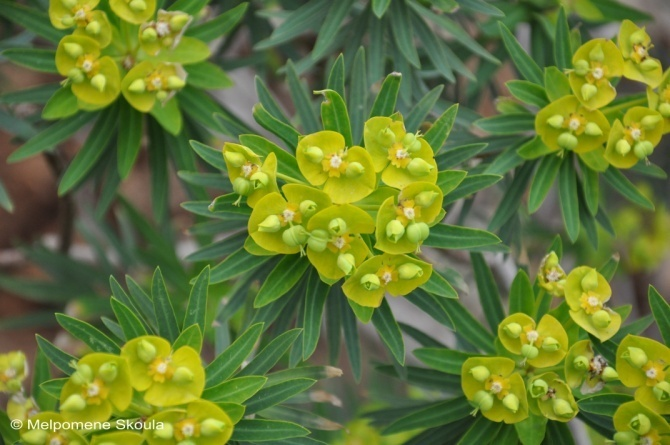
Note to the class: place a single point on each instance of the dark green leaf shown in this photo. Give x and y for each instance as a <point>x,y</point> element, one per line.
<point>235,390</point>
<point>455,237</point>
<point>88,334</point>
<point>59,358</point>
<point>521,295</point>
<point>226,363</point>
<point>621,184</point>
<point>489,297</point>
<point>131,325</point>
<point>435,414</point>
<point>661,310</point>
<point>471,184</point>
<point>523,62</point>
<point>468,326</point>
<point>208,76</point>
<point>562,50</point>
<point>129,138</point>
<point>282,279</point>
<point>603,404</point>
<point>504,124</point>
<point>449,180</point>
<point>512,198</point>
<point>358,96</point>
<point>556,83</point>
<point>389,331</point>
<point>220,25</point>
<point>315,301</point>
<point>334,115</point>
<point>531,430</point>
<point>165,315</point>
<point>480,431</point>
<point>385,101</point>
<point>401,30</point>
<point>196,311</point>
<point>379,7</point>
<point>236,264</point>
<point>443,359</point>
<point>272,395</point>
<point>544,178</point>
<point>190,336</point>
<point>209,154</point>
<point>438,133</point>
<point>43,60</point>
<point>438,285</point>
<point>302,100</point>
<point>62,104</point>
<point>283,131</point>
<point>528,92</point>
<point>271,354</point>
<point>259,430</point>
<point>334,18</point>
<point>568,199</point>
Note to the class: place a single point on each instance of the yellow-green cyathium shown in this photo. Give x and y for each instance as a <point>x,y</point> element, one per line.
<point>595,64</point>
<point>401,157</point>
<point>586,370</point>
<point>540,344</point>
<point>587,292</point>
<point>13,370</point>
<point>165,32</point>
<point>395,274</point>
<point>566,124</point>
<point>635,44</point>
<point>167,377</point>
<point>659,100</point>
<point>334,244</point>
<point>551,276</point>
<point>20,407</point>
<point>39,436</point>
<point>636,424</point>
<point>100,385</point>
<point>274,216</point>
<point>248,176</point>
<point>95,79</point>
<point>148,82</point>
<point>346,174</point>
<point>403,222</point>
<point>551,397</point>
<point>643,363</point>
<point>199,423</point>
<point>634,139</point>
<point>81,15</point>
<point>494,388</point>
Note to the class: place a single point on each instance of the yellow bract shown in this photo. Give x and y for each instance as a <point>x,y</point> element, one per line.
<point>13,370</point>
<point>133,11</point>
<point>543,344</point>
<point>148,82</point>
<point>635,44</point>
<point>635,138</point>
<point>595,63</point>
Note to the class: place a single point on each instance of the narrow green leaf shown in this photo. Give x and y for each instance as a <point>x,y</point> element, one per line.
<point>188,6</point>
<point>544,178</point>
<point>42,373</point>
<point>43,60</point>
<point>489,297</point>
<point>661,310</point>
<point>468,326</point>
<point>358,96</point>
<point>302,100</point>
<point>226,363</point>
<point>88,334</point>
<point>567,193</point>
<point>282,279</point>
<point>431,305</point>
<point>206,75</point>
<point>220,25</point>
<point>271,354</point>
<point>168,116</point>
<point>470,185</point>
<point>376,61</point>
<point>512,198</point>
<point>142,301</point>
<point>556,83</point>
<point>236,264</point>
<point>349,327</point>
<point>51,136</point>
<point>531,430</point>
<point>268,101</point>
<point>533,149</point>
<point>35,95</point>
<point>315,303</point>
<point>209,154</point>
<point>443,359</point>
<point>129,138</point>
<point>437,52</point>
<point>603,404</point>
<point>401,30</point>
<point>131,325</point>
<point>562,50</point>
<point>165,315</point>
<point>158,168</point>
<point>446,236</point>
<point>259,430</point>
<point>379,7</point>
<point>528,92</point>
<point>621,184</point>
<point>480,431</point>
<point>32,19</point>
<point>283,131</point>
<point>434,414</point>
<point>235,390</point>
<point>438,285</point>
<point>5,200</point>
<point>91,152</point>
<point>521,295</point>
<point>384,104</point>
<point>389,331</point>
<point>54,387</point>
<point>59,358</point>
<point>190,336</point>
<point>438,133</point>
<point>334,18</point>
<point>62,104</point>
<point>504,124</point>
<point>196,311</point>
<point>448,180</point>
<point>272,395</point>
<point>308,16</point>
<point>523,62</point>
<point>334,115</point>
<point>336,76</point>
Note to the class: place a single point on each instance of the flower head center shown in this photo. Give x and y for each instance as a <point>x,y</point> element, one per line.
<point>339,242</point>
<point>409,212</point>
<point>651,373</point>
<point>56,440</point>
<point>188,430</point>
<point>532,336</point>
<point>87,65</point>
<point>162,28</point>
<point>598,73</point>
<point>80,14</point>
<point>553,275</point>
<point>401,154</point>
<point>635,133</point>
<point>93,390</point>
<point>496,387</point>
<point>288,215</point>
<point>387,277</point>
<point>593,301</point>
<point>248,169</point>
<point>386,274</point>
<point>10,373</point>
<point>574,124</point>
<point>160,369</point>
<point>335,161</point>
<point>598,364</point>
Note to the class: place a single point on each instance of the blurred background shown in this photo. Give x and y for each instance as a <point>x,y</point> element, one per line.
<point>55,256</point>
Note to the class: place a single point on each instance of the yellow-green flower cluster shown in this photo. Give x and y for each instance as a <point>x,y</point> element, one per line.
<point>577,123</point>
<point>343,195</point>
<point>101,61</point>
<point>13,370</point>
<point>149,377</point>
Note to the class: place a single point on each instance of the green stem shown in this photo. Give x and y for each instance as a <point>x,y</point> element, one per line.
<point>623,106</point>
<point>289,179</point>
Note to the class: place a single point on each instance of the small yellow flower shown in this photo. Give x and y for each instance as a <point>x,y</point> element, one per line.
<point>148,82</point>
<point>402,157</point>
<point>642,363</point>
<point>165,32</point>
<point>595,64</point>
<point>13,370</point>
<point>566,124</point>
<point>168,377</point>
<point>635,44</point>
<point>100,385</point>
<point>660,100</point>
<point>397,275</point>
<point>21,408</point>
<point>493,387</point>
<point>586,292</point>
<point>40,436</point>
<point>583,367</point>
<point>638,424</point>
<point>552,397</point>
<point>635,138</point>
<point>346,173</point>
<point>200,423</point>
<point>542,345</point>
<point>551,276</point>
